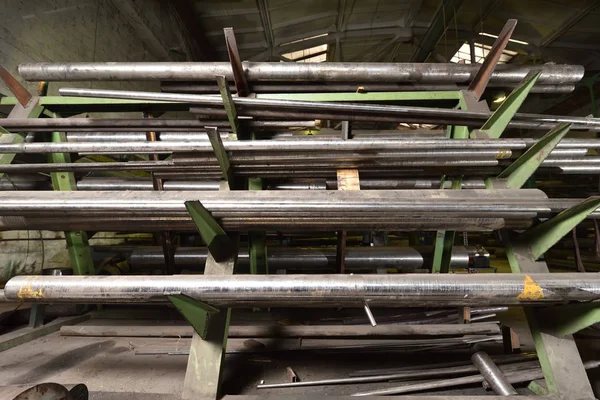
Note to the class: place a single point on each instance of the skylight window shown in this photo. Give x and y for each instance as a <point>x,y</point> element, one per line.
<point>510,40</point>
<point>310,55</point>
<point>463,55</point>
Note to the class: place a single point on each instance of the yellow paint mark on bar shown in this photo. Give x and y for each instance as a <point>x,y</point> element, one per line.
<point>26,292</point>
<point>531,290</point>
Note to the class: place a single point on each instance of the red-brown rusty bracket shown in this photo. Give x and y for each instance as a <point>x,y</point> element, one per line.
<point>479,83</point>
<point>22,94</point>
<point>241,84</point>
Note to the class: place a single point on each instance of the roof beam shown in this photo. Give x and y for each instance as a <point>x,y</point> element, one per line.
<point>265,20</point>
<point>442,18</point>
<point>135,17</point>
<point>570,22</point>
<point>402,34</point>
<point>201,49</point>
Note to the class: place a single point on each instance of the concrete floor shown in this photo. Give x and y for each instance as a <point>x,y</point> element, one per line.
<point>111,369</point>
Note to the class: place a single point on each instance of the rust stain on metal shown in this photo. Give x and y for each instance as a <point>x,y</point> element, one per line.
<point>531,290</point>
<point>26,292</point>
<point>18,90</point>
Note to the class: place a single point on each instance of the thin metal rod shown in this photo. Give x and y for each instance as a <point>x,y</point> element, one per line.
<point>322,72</point>
<point>369,314</point>
<point>418,373</point>
<point>492,374</point>
<point>134,125</point>
<point>409,290</point>
<point>346,111</point>
<point>295,87</point>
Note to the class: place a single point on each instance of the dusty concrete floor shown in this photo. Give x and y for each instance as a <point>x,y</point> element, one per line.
<point>110,368</point>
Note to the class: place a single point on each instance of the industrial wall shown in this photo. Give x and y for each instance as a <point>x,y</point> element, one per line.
<point>87,30</point>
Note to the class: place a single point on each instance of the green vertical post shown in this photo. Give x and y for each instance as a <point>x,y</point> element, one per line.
<point>558,354</point>
<point>257,240</point>
<point>77,241</point>
<point>444,241</point>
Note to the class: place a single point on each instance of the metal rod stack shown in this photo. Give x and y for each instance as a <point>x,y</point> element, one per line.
<point>467,210</point>
<point>193,156</point>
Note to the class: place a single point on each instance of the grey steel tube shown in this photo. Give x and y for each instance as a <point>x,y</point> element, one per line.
<point>349,111</point>
<point>135,125</point>
<point>141,184</point>
<point>326,72</point>
<point>492,374</point>
<point>401,151</point>
<point>409,290</point>
<point>286,87</point>
<point>357,258</point>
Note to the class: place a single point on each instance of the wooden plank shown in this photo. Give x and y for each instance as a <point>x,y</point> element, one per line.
<point>347,179</point>
<point>258,331</point>
<point>24,335</point>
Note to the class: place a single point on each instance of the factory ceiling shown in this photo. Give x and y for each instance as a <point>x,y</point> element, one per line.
<point>563,31</point>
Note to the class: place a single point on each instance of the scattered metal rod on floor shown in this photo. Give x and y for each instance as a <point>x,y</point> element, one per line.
<point>492,374</point>
<point>498,359</point>
<point>513,377</point>
<point>409,290</point>
<point>326,72</point>
<point>417,373</point>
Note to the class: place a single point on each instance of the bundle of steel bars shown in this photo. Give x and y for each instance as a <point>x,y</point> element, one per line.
<point>467,210</point>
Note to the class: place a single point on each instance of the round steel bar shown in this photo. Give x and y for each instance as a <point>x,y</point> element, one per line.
<point>436,290</point>
<point>135,125</point>
<point>327,72</point>
<point>321,87</point>
<point>87,184</point>
<point>492,374</point>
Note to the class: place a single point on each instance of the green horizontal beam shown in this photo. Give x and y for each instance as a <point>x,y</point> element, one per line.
<point>369,96</point>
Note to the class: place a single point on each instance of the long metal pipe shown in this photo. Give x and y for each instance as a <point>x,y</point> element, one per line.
<point>135,125</point>
<point>408,290</point>
<point>493,375</point>
<point>346,111</point>
<point>287,87</point>
<point>326,72</point>
<point>400,152</point>
<point>290,258</point>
